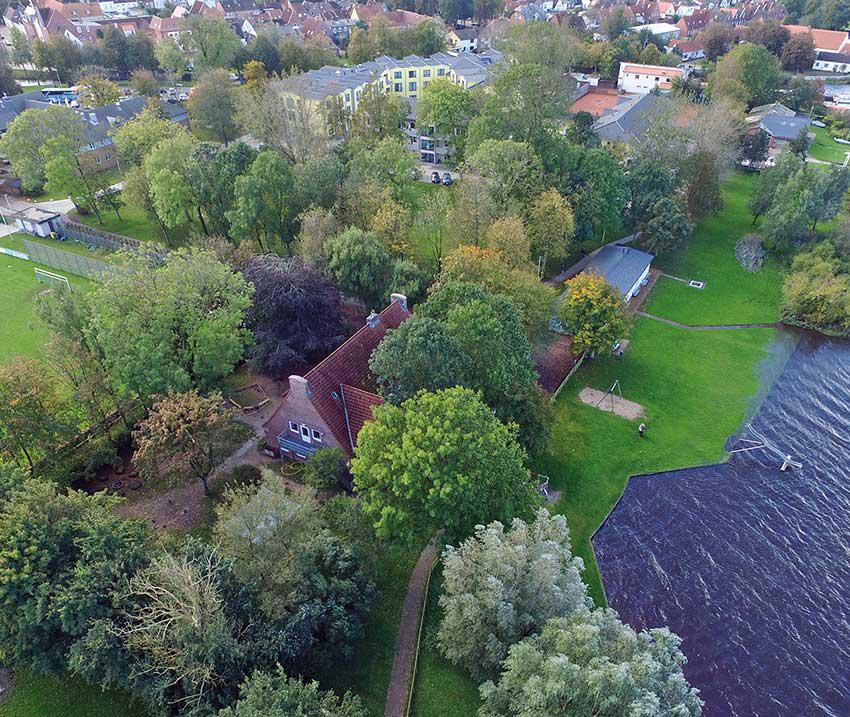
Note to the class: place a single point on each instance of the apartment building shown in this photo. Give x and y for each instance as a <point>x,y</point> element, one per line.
<point>643,79</point>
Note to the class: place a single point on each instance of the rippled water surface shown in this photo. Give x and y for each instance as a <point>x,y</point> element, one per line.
<point>751,566</point>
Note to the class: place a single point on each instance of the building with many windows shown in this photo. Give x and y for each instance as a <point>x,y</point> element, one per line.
<point>330,90</point>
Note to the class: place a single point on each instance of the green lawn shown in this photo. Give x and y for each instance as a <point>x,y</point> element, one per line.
<point>697,388</point>
<point>368,673</point>
<point>731,295</point>
<point>39,696</point>
<point>16,241</point>
<point>134,223</point>
<point>21,333</point>
<point>825,148</point>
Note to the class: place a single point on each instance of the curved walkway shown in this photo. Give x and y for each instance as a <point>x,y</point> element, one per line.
<point>408,635</point>
<point>709,327</point>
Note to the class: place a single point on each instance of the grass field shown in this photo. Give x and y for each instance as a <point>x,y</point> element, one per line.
<point>39,696</point>
<point>134,223</point>
<point>825,148</point>
<point>696,388</point>
<point>21,333</point>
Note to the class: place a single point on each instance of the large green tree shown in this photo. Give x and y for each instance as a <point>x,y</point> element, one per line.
<point>502,585</point>
<point>211,42</point>
<point>595,664</point>
<point>212,106</point>
<point>358,263</point>
<point>594,312</point>
<point>749,73</point>
<point>173,325</point>
<point>512,168</point>
<point>449,108</point>
<point>440,461</point>
<point>63,557</point>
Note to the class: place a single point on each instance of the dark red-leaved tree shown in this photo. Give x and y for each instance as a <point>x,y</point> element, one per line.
<point>296,316</point>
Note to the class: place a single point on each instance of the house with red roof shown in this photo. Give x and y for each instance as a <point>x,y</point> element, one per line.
<point>328,406</point>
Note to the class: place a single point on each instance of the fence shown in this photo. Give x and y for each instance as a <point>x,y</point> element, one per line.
<point>66,260</point>
<point>106,240</point>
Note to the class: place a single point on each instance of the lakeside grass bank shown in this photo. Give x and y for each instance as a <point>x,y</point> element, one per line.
<point>696,387</point>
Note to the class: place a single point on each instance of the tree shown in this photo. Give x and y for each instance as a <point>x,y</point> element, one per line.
<point>137,138</point>
<point>798,55</point>
<point>276,695</point>
<point>171,56</point>
<point>77,176</point>
<point>33,416</point>
<point>786,222</point>
<point>318,180</point>
<point>666,226</point>
<point>421,353</point>
<point>391,224</point>
<point>487,607</point>
<point>648,181</point>
<point>360,47</point>
<point>754,145</point>
<point>185,429</point>
<point>24,142</point>
<point>508,236</point>
<point>551,224</point>
<point>143,82</point>
<point>260,202</point>
<point>21,48</point>
<point>64,556</point>
<point>816,292</point>
<point>285,291</point>
<point>486,268</point>
<point>378,116</point>
<point>387,163</point>
<point>97,91</point>
<point>212,173</point>
<point>512,168</point>
<point>317,226</point>
<point>453,10</point>
<point>58,53</point>
<point>770,34</point>
<point>616,23</point>
<point>449,108</point>
<point>174,325</point>
<point>717,38</point>
<point>303,573</point>
<point>703,192</point>
<point>212,106</point>
<point>474,210</point>
<point>800,144</point>
<point>327,468</point>
<point>211,41</point>
<point>749,73</point>
<point>441,461</point>
<point>357,262</point>
<point>768,182</point>
<point>591,659</point>
<point>595,313</point>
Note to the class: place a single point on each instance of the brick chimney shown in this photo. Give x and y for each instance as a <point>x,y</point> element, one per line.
<point>372,320</point>
<point>298,386</point>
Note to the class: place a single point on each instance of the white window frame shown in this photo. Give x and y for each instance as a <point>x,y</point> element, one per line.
<point>316,435</point>
<point>305,434</point>
<point>293,426</point>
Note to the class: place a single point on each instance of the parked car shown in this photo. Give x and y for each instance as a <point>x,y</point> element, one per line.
<point>447,179</point>
<point>183,97</point>
<point>435,177</point>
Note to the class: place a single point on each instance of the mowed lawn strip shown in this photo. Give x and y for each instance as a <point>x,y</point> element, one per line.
<point>825,148</point>
<point>21,332</point>
<point>39,696</point>
<point>368,673</point>
<point>731,295</point>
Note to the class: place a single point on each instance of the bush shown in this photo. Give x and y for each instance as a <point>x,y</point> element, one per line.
<point>326,469</point>
<point>749,251</point>
<point>246,474</point>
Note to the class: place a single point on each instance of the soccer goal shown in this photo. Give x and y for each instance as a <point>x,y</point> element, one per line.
<point>42,276</point>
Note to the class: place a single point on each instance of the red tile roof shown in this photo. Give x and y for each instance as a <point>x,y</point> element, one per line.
<point>358,409</point>
<point>347,366</point>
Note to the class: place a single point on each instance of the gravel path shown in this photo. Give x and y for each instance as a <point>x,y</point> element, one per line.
<point>408,635</point>
<point>710,327</point>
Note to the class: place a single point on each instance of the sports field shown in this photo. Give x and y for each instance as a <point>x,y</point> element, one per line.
<point>21,333</point>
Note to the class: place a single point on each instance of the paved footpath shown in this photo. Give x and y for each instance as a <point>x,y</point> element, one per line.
<point>709,327</point>
<point>408,635</point>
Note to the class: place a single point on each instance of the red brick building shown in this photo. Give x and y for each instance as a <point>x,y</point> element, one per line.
<point>328,406</point>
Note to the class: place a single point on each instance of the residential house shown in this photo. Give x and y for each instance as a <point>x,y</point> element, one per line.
<point>395,19</point>
<point>329,405</point>
<point>465,40</point>
<point>642,79</point>
<point>664,31</point>
<point>824,40</point>
<point>781,123</point>
<point>529,12</point>
<point>162,27</point>
<point>832,61</point>
<point>688,50</point>
<point>627,122</point>
<point>624,267</point>
<point>693,24</point>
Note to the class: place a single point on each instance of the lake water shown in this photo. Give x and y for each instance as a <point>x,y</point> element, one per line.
<point>750,565</point>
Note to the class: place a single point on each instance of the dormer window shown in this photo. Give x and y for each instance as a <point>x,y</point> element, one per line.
<point>293,426</point>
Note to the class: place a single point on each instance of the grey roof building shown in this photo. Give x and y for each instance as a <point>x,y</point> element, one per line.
<point>629,120</point>
<point>622,266</point>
